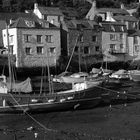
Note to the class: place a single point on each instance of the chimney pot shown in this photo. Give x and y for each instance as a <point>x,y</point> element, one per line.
<point>36,6</point>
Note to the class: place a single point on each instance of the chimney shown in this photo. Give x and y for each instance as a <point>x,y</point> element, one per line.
<point>109,17</point>
<point>122,6</point>
<point>36,6</point>
<point>94,4</point>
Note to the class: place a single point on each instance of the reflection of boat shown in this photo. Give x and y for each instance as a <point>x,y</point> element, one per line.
<point>82,95</point>
<point>135,75</point>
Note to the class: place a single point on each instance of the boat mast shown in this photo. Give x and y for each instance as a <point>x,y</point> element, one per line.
<point>9,57</point>
<point>79,52</point>
<point>49,76</point>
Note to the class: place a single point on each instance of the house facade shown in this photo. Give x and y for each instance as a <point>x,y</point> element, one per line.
<point>34,43</point>
<point>114,41</point>
<point>85,40</point>
<point>134,45</point>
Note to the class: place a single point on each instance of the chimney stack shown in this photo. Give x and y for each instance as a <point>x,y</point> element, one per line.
<point>36,6</point>
<point>122,6</point>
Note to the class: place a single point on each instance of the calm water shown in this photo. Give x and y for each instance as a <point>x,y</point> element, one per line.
<point>70,125</point>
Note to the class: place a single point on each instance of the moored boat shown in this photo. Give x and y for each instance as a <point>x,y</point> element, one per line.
<point>81,96</point>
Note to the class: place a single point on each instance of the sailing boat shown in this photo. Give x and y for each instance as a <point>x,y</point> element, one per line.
<point>81,96</point>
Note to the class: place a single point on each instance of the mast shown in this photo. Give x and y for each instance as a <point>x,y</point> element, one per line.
<point>9,57</point>
<point>49,76</point>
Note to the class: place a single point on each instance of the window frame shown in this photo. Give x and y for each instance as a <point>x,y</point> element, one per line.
<point>39,39</point>
<point>27,38</point>
<point>28,50</point>
<point>38,48</point>
<point>49,38</point>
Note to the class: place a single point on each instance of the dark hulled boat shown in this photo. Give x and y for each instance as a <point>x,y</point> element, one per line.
<point>60,101</point>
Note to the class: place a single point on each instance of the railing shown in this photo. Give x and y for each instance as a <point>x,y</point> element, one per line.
<point>112,51</point>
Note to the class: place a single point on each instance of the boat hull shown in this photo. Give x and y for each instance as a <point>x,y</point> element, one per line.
<point>88,98</point>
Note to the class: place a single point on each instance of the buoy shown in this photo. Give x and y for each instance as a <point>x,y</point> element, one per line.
<point>35,134</point>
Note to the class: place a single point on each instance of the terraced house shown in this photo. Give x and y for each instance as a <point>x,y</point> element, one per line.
<point>85,37</point>
<point>33,42</point>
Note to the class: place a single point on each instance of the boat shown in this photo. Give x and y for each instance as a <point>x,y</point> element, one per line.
<point>74,78</point>
<point>119,76</point>
<point>135,75</point>
<point>82,95</point>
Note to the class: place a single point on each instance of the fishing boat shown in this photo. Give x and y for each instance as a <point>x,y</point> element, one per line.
<point>82,95</point>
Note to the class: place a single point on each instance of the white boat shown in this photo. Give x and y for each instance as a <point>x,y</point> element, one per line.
<point>120,75</point>
<point>75,77</point>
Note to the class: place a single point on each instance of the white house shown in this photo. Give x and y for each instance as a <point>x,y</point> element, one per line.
<point>33,42</point>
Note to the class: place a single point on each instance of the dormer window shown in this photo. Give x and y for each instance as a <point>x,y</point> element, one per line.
<point>112,28</point>
<point>122,28</point>
<point>30,23</point>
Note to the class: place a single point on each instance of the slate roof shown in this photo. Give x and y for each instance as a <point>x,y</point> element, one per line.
<point>87,24</point>
<point>113,10</point>
<point>137,33</point>
<point>107,27</point>
<point>70,12</point>
<point>8,16</point>
<point>125,18</point>
<point>50,11</point>
<point>21,23</point>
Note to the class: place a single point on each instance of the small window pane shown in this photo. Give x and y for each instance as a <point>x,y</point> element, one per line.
<point>39,50</point>
<point>28,50</point>
<point>39,38</point>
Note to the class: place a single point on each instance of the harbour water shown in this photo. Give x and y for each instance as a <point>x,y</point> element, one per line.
<point>116,121</point>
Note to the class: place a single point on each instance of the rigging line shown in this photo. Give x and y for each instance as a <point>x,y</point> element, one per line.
<point>136,96</point>
<point>43,126</point>
<point>72,53</point>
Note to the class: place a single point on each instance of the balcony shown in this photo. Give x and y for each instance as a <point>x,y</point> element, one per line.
<point>119,51</point>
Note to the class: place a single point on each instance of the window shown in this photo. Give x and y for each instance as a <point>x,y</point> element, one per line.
<point>11,39</point>
<point>11,49</point>
<point>122,28</point>
<point>112,28</point>
<point>112,47</point>
<point>39,38</point>
<point>76,49</point>
<point>97,48</point>
<point>30,23</point>
<point>28,50</point>
<point>52,50</point>
<point>113,37</point>
<point>86,50</point>
<point>121,46</point>
<point>27,38</point>
<point>121,36</point>
<point>81,39</point>
<point>94,38</point>
<point>135,39</point>
<point>136,48</point>
<point>39,50</point>
<point>49,38</point>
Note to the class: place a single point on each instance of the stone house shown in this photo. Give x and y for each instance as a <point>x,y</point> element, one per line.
<point>6,17</point>
<point>34,43</point>
<point>84,37</point>
<point>114,41</point>
<point>134,45</point>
